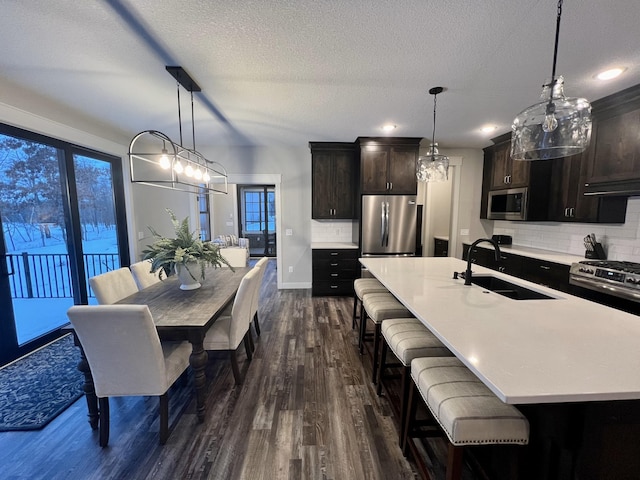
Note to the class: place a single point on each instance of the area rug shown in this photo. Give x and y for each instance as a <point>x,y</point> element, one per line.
<point>40,386</point>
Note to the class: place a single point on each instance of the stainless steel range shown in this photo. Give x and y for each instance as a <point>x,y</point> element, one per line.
<point>621,279</point>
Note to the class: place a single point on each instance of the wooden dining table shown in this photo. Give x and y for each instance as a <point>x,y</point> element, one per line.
<point>181,315</point>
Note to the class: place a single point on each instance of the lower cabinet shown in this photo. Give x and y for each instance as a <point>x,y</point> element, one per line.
<point>550,274</point>
<point>441,247</point>
<point>334,271</point>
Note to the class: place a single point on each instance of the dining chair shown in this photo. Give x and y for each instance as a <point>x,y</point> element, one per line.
<point>261,266</point>
<point>126,357</point>
<point>228,331</point>
<point>113,286</point>
<point>142,275</point>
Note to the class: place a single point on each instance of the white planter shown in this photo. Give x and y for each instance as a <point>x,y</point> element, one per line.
<point>188,276</point>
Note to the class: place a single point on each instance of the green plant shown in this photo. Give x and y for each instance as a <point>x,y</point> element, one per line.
<point>165,253</point>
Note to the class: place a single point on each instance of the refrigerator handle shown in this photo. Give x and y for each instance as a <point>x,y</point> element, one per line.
<point>386,223</point>
<point>382,224</point>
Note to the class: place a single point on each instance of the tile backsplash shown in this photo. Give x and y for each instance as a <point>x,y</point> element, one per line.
<point>620,242</point>
<point>332,231</point>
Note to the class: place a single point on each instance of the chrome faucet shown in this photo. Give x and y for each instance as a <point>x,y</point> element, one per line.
<point>467,273</point>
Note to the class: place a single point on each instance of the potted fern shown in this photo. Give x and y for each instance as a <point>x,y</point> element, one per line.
<point>184,254</point>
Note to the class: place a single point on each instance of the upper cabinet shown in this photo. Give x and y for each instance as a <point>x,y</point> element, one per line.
<point>567,202</point>
<point>614,152</point>
<point>334,171</point>
<point>506,173</point>
<point>388,165</point>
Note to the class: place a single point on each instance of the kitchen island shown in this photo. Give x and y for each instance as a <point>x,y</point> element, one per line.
<point>570,365</point>
<point>561,349</point>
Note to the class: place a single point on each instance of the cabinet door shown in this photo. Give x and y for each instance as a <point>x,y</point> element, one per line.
<point>344,185</point>
<point>565,183</point>
<point>500,166</point>
<point>549,274</point>
<point>322,187</point>
<point>519,174</point>
<point>616,155</point>
<point>375,176</point>
<point>402,170</point>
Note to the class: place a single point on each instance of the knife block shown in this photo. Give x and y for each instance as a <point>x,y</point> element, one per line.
<point>597,253</point>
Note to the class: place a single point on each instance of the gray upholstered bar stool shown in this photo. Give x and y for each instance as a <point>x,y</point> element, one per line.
<point>361,287</point>
<point>378,307</point>
<point>464,407</point>
<point>407,338</point>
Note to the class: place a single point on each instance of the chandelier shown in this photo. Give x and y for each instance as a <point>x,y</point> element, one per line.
<point>433,167</point>
<point>158,161</point>
<point>556,126</point>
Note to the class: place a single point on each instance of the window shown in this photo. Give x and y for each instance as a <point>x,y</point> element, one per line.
<point>205,215</point>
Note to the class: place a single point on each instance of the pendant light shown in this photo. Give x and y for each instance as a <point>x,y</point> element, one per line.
<point>156,160</point>
<point>433,167</point>
<point>556,126</point>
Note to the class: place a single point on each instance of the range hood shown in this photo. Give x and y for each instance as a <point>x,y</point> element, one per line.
<point>619,188</point>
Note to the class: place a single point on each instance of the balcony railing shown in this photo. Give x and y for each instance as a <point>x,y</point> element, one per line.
<point>48,275</point>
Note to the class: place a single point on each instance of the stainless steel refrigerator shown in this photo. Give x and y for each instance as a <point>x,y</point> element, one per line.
<point>388,225</point>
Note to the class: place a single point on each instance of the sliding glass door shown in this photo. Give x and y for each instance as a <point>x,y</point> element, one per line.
<point>61,224</point>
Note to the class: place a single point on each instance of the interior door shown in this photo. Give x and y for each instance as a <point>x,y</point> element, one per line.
<point>257,214</point>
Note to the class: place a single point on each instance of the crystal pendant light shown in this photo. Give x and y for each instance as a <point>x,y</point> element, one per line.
<point>556,126</point>
<point>433,167</point>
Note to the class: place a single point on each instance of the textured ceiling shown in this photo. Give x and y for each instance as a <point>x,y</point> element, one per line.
<point>292,71</point>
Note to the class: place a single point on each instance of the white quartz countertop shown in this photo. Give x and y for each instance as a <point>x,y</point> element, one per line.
<point>330,245</point>
<point>547,255</point>
<point>565,349</point>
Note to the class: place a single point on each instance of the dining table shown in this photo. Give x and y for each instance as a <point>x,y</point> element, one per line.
<point>181,315</point>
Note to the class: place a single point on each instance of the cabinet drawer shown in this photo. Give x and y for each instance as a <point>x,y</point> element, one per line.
<point>549,274</point>
<point>334,254</point>
<point>338,288</point>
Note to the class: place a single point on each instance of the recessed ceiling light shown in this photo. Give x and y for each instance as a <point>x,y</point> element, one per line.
<point>609,74</point>
<point>488,128</point>
<point>388,127</point>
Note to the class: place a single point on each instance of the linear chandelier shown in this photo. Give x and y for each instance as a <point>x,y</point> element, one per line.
<point>158,161</point>
<point>555,127</point>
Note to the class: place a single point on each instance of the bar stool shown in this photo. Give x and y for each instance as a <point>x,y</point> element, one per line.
<point>362,287</point>
<point>407,338</point>
<point>464,407</point>
<point>379,307</point>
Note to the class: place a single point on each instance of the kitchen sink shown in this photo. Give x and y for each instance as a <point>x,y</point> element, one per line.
<point>508,289</point>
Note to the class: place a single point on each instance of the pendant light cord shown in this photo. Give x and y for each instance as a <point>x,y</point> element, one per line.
<point>179,112</point>
<point>555,48</point>
<point>193,125</point>
<point>433,135</point>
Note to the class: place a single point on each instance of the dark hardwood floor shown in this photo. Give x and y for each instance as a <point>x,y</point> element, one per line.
<point>306,410</point>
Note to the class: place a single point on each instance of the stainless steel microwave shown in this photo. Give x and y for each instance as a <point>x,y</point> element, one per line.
<point>510,204</point>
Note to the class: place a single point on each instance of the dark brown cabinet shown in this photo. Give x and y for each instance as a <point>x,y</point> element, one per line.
<point>388,165</point>
<point>334,270</point>
<point>506,173</point>
<point>567,202</point>
<point>333,185</point>
<point>550,274</point>
<point>441,247</point>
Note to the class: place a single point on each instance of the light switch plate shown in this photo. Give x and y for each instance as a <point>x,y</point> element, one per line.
<point>288,232</point>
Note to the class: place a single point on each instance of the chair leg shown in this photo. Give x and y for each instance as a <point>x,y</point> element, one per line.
<point>248,346</point>
<point>382,366</point>
<point>256,324</point>
<point>164,418</point>
<point>355,309</point>
<point>454,462</point>
<point>404,399</point>
<point>376,346</point>
<point>234,367</point>
<point>363,331</point>
<point>412,406</point>
<point>103,421</point>
<point>250,337</point>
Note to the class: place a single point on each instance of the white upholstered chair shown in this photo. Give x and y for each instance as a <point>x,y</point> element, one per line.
<point>236,256</point>
<point>261,266</point>
<point>142,274</point>
<point>126,357</point>
<point>113,286</point>
<point>228,331</point>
